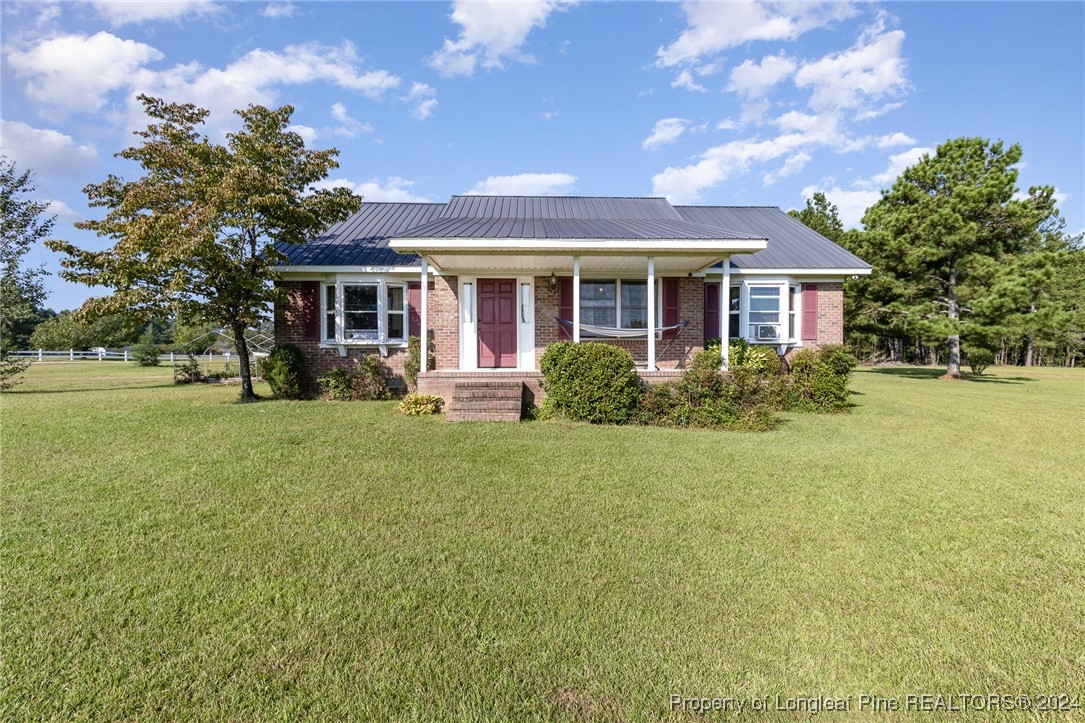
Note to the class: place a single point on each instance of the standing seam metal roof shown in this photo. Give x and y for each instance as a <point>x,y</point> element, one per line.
<point>362,239</point>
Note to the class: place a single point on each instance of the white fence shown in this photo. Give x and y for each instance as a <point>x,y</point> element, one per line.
<point>108,355</point>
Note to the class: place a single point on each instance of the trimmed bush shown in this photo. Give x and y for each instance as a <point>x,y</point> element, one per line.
<point>419,404</point>
<point>590,382</point>
<point>283,371</point>
<point>413,363</point>
<point>838,359</point>
<point>979,359</point>
<point>816,382</point>
<point>336,385</point>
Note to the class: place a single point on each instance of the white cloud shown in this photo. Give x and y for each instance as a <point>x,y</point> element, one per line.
<point>66,216</point>
<point>491,32</point>
<point>685,184</point>
<point>893,140</point>
<point>794,164</point>
<point>45,151</point>
<point>667,130</point>
<point>868,71</point>
<point>392,188</point>
<point>716,26</point>
<point>256,78</point>
<point>274,11</point>
<point>727,124</point>
<point>851,205</point>
<point>75,72</point>
<point>897,164</point>
<point>525,184</point>
<point>129,11</point>
<point>424,98</point>
<point>753,79</point>
<point>685,80</point>
<point>348,126</point>
<point>307,133</point>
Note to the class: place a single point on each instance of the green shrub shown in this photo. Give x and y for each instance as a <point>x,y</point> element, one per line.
<point>817,384</point>
<point>283,371</point>
<point>146,351</point>
<point>418,404</point>
<point>590,382</point>
<point>838,358</point>
<point>370,382</point>
<point>336,384</point>
<point>762,359</point>
<point>979,359</point>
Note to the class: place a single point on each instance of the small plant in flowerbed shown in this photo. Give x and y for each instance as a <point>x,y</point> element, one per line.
<point>336,385</point>
<point>420,404</point>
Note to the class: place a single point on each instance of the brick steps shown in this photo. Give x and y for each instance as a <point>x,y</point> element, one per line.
<point>486,401</point>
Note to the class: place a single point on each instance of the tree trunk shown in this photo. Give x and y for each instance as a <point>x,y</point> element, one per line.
<point>1029,340</point>
<point>953,369</point>
<point>242,346</point>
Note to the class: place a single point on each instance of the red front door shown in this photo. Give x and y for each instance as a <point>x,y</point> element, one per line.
<point>497,323</point>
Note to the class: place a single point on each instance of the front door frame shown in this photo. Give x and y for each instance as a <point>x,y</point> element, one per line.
<point>468,321</point>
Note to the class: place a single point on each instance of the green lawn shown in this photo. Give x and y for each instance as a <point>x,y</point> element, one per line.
<point>168,553</point>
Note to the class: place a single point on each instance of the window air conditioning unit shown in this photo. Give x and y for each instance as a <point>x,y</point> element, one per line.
<point>767,332</point>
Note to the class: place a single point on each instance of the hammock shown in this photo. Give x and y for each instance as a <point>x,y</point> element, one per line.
<point>610,332</point>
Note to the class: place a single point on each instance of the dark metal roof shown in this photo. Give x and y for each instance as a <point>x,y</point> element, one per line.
<point>792,245</point>
<point>554,207</point>
<point>362,240</point>
<point>569,228</point>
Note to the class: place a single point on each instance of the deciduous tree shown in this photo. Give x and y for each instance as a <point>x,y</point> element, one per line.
<point>194,235</point>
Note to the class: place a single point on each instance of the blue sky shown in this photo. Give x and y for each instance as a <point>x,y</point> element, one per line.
<point>718,103</point>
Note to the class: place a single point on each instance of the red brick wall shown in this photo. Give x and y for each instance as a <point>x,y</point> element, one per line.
<point>830,313</point>
<point>444,321</point>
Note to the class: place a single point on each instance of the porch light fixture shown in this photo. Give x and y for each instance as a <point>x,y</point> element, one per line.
<point>553,282</point>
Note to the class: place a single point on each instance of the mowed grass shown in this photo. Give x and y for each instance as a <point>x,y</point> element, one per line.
<point>168,553</point>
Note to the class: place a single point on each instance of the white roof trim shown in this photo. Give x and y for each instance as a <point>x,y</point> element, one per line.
<point>735,270</point>
<point>333,269</point>
<point>624,247</point>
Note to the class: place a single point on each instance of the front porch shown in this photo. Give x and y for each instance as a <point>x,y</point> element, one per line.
<point>445,384</point>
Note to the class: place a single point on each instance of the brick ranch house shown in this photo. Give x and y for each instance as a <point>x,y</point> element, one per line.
<point>493,280</point>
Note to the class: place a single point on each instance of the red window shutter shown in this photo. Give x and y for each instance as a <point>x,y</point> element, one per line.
<point>672,305</point>
<point>711,311</point>
<point>310,304</point>
<point>565,306</point>
<point>810,312</point>
<point>414,305</point>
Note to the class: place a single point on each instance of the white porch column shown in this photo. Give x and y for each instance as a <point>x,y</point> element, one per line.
<point>651,314</point>
<point>576,299</point>
<point>725,313</point>
<point>424,313</point>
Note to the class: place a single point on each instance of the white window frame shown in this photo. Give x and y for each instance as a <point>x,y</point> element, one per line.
<point>382,312</point>
<point>618,301</point>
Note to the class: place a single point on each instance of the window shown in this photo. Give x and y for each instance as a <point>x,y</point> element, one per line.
<point>395,312</point>
<point>764,315</point>
<point>734,323</point>
<point>373,311</point>
<point>360,312</point>
<point>606,302</point>
<point>598,302</point>
<point>635,304</point>
<point>329,312</point>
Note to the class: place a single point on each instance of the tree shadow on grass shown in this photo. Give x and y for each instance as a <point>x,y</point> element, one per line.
<point>933,373</point>
<point>68,390</point>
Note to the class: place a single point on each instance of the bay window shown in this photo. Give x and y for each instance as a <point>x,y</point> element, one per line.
<point>734,316</point>
<point>364,311</point>
<point>792,312</point>
<point>764,314</point>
